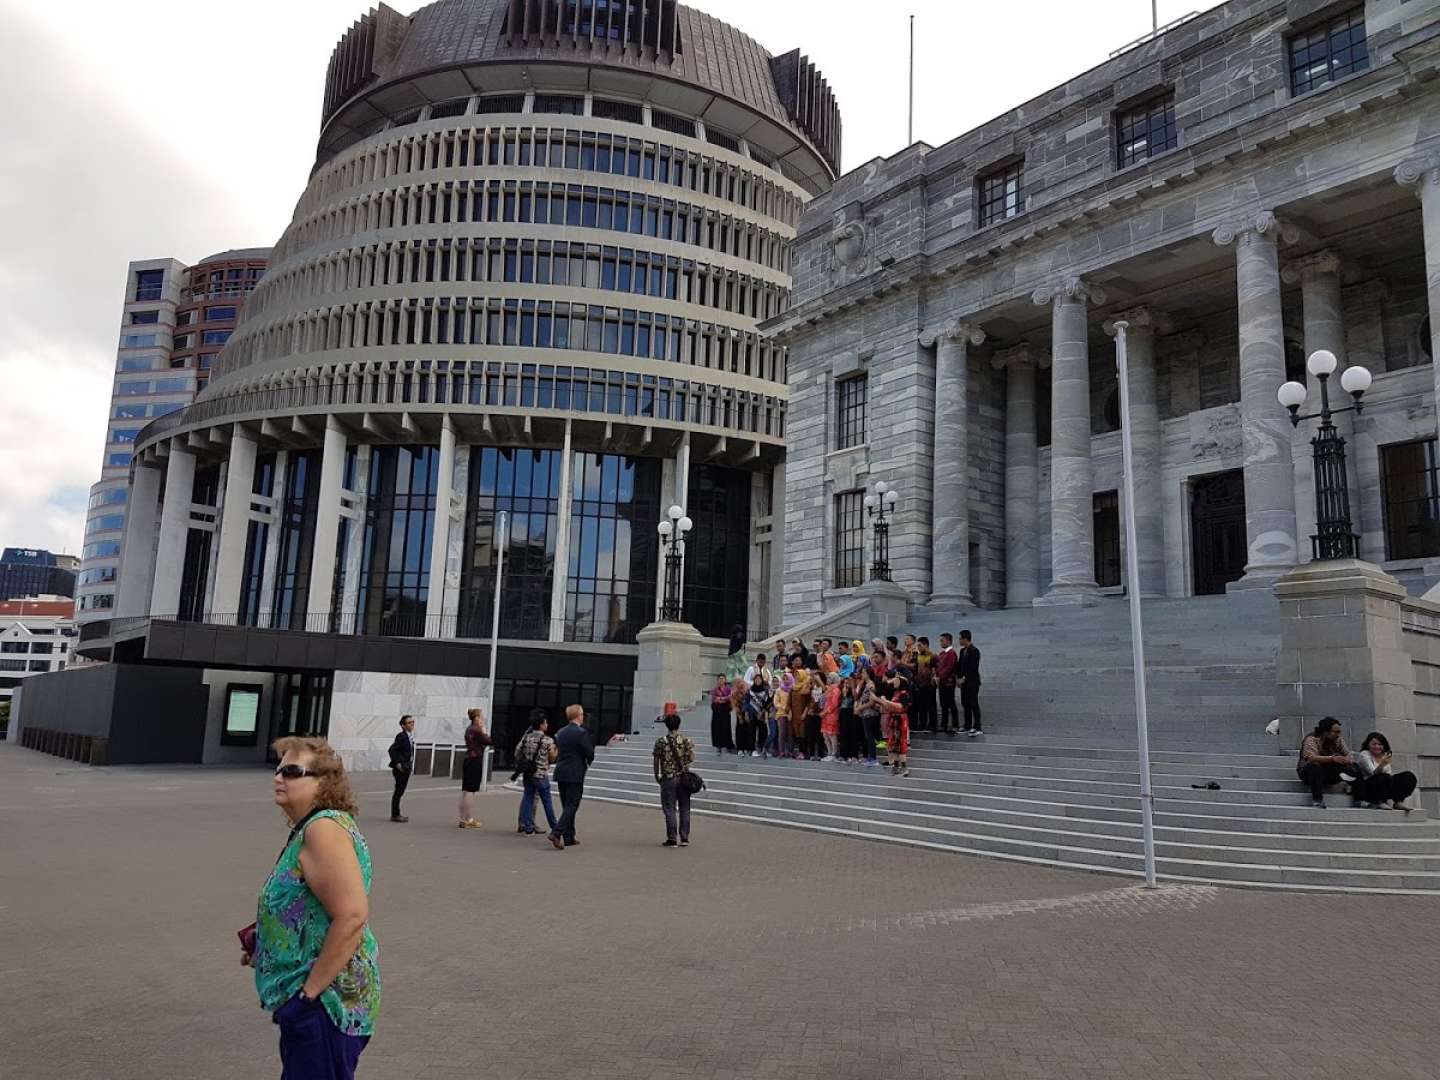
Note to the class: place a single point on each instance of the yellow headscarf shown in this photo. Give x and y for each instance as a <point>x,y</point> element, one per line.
<point>857,649</point>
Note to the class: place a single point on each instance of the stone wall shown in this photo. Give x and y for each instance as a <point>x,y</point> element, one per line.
<point>1420,621</point>
<point>366,706</point>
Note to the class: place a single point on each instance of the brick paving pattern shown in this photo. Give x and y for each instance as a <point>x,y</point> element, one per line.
<point>758,952</point>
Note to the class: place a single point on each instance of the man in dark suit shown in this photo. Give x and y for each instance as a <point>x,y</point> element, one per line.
<point>402,763</point>
<point>575,753</point>
<point>968,670</point>
<point>947,665</point>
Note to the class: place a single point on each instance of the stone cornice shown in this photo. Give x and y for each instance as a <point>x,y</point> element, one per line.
<point>1307,268</point>
<point>1071,288</point>
<point>1108,199</point>
<point>1143,319</point>
<point>1264,223</point>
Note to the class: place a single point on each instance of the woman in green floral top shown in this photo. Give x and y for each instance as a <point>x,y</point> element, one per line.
<point>315,959</point>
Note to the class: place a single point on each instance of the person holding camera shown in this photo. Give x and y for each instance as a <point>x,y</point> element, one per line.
<point>1377,783</point>
<point>672,758</point>
<point>534,755</point>
<point>473,773</point>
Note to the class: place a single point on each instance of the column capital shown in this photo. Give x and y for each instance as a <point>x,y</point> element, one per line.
<point>1264,223</point>
<point>1414,172</point>
<point>1309,268</point>
<point>1183,345</point>
<point>1072,288</point>
<point>961,331</point>
<point>1155,320</point>
<point>1021,355</point>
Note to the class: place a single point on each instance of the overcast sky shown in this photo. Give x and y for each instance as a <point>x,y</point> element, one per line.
<point>177,129</point>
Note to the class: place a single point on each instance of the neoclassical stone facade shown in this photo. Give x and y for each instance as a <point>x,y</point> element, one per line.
<point>1257,183</point>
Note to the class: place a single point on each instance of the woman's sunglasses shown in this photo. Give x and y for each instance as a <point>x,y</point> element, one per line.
<point>294,772</point>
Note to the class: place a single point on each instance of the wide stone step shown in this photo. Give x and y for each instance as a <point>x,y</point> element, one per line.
<point>1027,773</point>
<point>1314,848</point>
<point>943,785</point>
<point>1083,856</point>
<point>1022,745</point>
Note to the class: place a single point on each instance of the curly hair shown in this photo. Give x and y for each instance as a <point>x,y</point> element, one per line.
<point>334,791</point>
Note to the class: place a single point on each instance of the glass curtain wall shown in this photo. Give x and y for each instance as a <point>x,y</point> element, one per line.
<point>610,583</point>
<point>195,570</point>
<point>399,525</point>
<point>607,710</point>
<point>298,510</point>
<point>717,550</point>
<point>257,538</point>
<point>526,485</point>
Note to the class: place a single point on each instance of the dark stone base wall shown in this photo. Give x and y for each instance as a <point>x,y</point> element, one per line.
<point>116,714</point>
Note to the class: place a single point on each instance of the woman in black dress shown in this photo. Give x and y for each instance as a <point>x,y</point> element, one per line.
<point>720,736</point>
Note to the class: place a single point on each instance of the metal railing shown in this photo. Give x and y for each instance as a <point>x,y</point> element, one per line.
<point>429,757</point>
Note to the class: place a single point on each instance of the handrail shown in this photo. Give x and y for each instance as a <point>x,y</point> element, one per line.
<point>803,630</point>
<point>487,761</point>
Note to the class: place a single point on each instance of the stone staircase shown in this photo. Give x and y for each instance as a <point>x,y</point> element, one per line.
<point>1066,672</point>
<point>1067,805</point>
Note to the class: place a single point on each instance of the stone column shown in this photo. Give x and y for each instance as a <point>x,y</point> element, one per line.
<point>440,534</point>
<point>327,529</point>
<point>561,576</point>
<point>137,551</point>
<point>234,526</point>
<point>776,584</point>
<point>950,468</point>
<point>1265,426</point>
<point>1144,420</point>
<point>1022,543</point>
<point>1423,174</point>
<point>174,532</point>
<point>1072,478</point>
<point>271,566</point>
<point>1319,277</point>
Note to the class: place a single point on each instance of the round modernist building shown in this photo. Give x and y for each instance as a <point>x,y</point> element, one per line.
<point>526,277</point>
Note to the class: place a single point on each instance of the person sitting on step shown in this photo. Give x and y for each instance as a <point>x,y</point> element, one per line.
<point>1377,783</point>
<point>1323,756</point>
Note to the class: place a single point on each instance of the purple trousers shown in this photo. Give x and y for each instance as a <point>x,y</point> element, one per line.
<point>312,1047</point>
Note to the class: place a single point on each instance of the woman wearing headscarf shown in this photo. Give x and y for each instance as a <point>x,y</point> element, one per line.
<point>799,704</point>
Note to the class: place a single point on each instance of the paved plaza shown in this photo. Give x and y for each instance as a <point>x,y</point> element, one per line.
<point>758,952</point>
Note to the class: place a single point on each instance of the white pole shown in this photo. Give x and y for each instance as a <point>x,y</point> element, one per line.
<point>1137,631</point>
<point>910,126</point>
<point>504,541</point>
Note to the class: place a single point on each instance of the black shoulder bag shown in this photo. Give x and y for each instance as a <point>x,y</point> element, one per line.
<point>686,780</point>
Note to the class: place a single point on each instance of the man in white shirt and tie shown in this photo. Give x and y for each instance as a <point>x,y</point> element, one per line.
<point>402,763</point>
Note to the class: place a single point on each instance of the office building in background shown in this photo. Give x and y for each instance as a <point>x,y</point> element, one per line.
<point>174,322</point>
<point>33,572</point>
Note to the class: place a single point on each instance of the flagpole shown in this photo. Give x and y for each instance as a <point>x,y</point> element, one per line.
<point>1137,631</point>
<point>910,126</point>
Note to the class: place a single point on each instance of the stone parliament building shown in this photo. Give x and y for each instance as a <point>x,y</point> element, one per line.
<point>1257,183</point>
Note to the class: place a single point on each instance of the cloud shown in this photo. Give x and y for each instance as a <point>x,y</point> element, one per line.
<point>85,190</point>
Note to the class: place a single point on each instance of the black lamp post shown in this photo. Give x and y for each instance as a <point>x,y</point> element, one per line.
<point>878,504</point>
<point>672,535</point>
<point>1334,536</point>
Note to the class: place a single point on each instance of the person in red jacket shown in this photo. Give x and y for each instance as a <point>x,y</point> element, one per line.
<point>946,664</point>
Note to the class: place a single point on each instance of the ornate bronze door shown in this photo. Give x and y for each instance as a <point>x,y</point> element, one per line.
<point>1217,530</point>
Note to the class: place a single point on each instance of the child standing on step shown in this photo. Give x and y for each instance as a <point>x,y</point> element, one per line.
<point>779,720</point>
<point>897,725</point>
<point>830,716</point>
